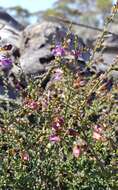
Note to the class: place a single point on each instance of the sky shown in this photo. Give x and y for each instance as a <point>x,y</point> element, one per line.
<point>31,5</point>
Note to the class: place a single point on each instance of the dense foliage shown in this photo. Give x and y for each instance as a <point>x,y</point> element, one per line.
<point>62,135</point>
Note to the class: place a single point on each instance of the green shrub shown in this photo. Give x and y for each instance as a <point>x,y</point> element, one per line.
<point>64,136</point>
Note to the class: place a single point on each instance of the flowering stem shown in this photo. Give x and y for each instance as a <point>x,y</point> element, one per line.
<point>101,39</point>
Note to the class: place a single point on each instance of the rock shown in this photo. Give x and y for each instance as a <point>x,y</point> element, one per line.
<point>6,18</point>
<point>36,53</point>
<point>10,33</point>
<point>113,74</point>
<point>103,60</point>
<point>10,30</point>
<point>32,49</point>
<point>31,61</point>
<point>10,36</point>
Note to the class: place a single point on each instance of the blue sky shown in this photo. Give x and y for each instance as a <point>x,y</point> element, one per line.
<point>31,5</point>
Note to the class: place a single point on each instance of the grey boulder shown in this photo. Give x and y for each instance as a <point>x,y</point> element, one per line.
<point>36,55</point>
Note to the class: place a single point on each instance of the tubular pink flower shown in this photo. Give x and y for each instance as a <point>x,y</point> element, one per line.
<point>76,151</point>
<point>5,62</point>
<point>72,132</point>
<point>54,138</point>
<point>97,136</point>
<point>58,51</point>
<point>57,123</point>
<point>98,128</point>
<point>25,156</point>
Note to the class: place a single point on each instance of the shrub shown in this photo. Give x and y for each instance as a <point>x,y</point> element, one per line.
<point>63,136</point>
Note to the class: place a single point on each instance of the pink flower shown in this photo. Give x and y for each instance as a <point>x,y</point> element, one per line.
<point>97,136</point>
<point>57,75</point>
<point>97,133</point>
<point>31,104</point>
<point>82,83</point>
<point>57,123</point>
<point>75,53</point>
<point>56,126</point>
<point>58,70</point>
<point>25,156</point>
<point>54,138</point>
<point>58,51</point>
<point>72,132</point>
<point>98,128</point>
<point>76,151</point>
<point>5,62</point>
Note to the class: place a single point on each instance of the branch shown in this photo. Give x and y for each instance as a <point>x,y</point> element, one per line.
<point>60,19</point>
